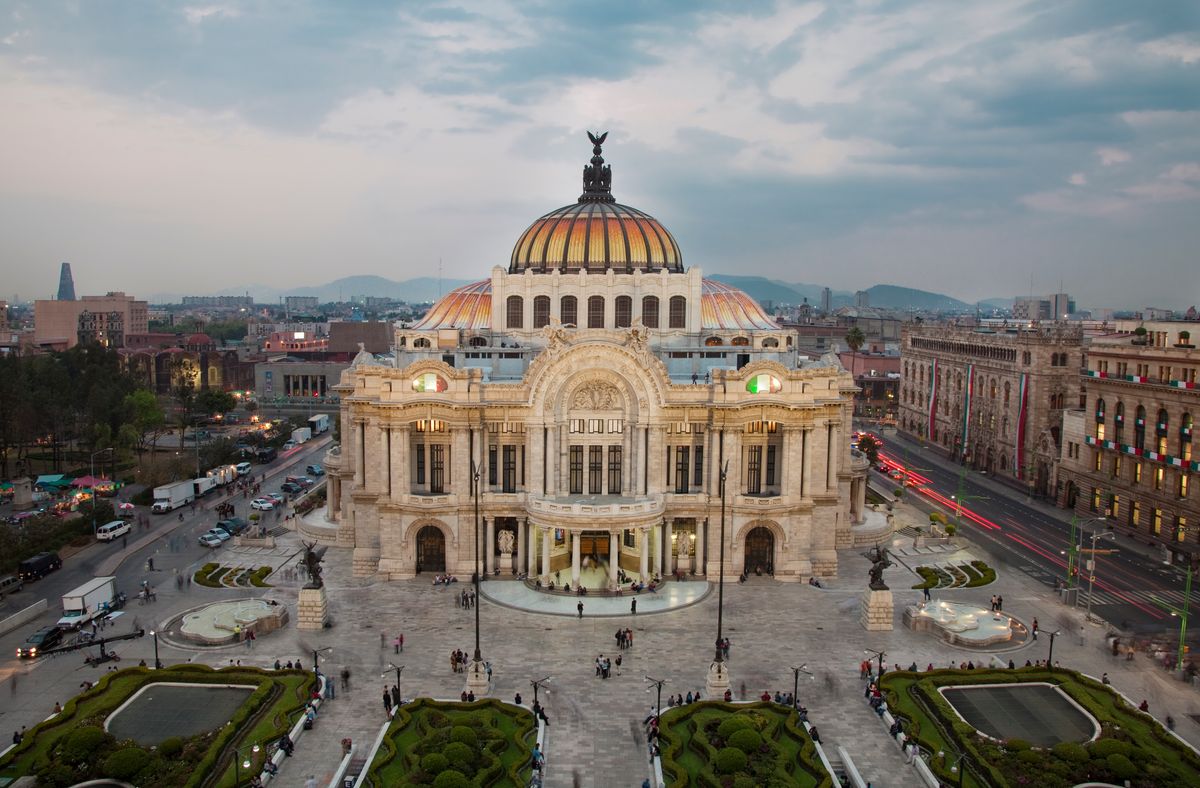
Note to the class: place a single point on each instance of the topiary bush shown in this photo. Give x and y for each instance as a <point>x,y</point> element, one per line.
<point>735,723</point>
<point>746,740</point>
<point>465,735</point>
<point>1102,748</point>
<point>124,764</point>
<point>1121,766</point>
<point>730,760</point>
<point>82,742</point>
<point>459,755</point>
<point>171,747</point>
<point>1070,751</point>
<point>451,779</point>
<point>435,763</point>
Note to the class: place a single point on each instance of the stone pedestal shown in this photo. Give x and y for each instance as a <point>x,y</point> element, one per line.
<point>477,680</point>
<point>22,494</point>
<point>506,563</point>
<point>313,610</point>
<point>717,682</point>
<point>878,610</point>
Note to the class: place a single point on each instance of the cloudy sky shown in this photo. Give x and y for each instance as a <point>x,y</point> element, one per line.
<point>975,148</point>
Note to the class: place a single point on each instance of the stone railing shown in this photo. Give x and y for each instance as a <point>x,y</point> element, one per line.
<point>631,507</point>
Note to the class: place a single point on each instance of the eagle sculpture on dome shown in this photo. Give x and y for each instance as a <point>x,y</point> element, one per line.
<point>597,176</point>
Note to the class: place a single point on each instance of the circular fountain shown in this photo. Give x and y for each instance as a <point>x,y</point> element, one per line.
<point>966,625</point>
<point>221,623</point>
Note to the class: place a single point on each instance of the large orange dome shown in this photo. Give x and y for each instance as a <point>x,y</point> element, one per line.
<point>596,233</point>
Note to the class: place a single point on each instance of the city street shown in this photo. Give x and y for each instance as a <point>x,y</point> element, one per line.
<point>1035,537</point>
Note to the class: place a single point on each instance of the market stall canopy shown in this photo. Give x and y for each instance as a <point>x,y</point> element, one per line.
<point>89,481</point>
<point>53,480</point>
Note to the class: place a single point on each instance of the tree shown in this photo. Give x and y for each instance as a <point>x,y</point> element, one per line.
<point>212,401</point>
<point>855,339</point>
<point>145,418</point>
<point>184,376</point>
<point>870,447</point>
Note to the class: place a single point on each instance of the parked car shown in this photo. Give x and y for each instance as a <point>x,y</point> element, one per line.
<point>44,638</point>
<point>233,525</point>
<point>277,498</point>
<point>110,531</point>
<point>315,470</point>
<point>210,539</point>
<point>38,566</point>
<point>262,504</point>
<point>289,445</point>
<point>10,584</point>
<point>291,488</point>
<point>303,481</point>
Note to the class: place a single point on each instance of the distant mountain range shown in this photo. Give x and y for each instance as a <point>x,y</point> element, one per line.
<point>770,292</point>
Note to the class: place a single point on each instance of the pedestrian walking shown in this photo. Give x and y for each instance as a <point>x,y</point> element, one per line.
<point>579,607</point>
<point>396,696</point>
<point>925,590</point>
<point>400,640</point>
<point>345,679</point>
<point>633,606</point>
<point>387,701</point>
<point>396,645</point>
<point>1034,630</point>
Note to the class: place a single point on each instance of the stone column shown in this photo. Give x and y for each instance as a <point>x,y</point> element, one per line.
<point>644,537</point>
<point>398,470</point>
<point>333,499</point>
<point>835,456</point>
<point>356,456</point>
<point>733,453</point>
<point>614,558</point>
<point>551,461</point>
<point>639,484</point>
<point>817,459</point>
<point>701,533</point>
<point>489,529</point>
<point>520,543</point>
<point>628,487</point>
<point>535,460</point>
<point>658,550</point>
<point>532,535</point>
<point>458,465</point>
<point>668,551</point>
<point>860,499</point>
<point>576,557</point>
<point>546,545</point>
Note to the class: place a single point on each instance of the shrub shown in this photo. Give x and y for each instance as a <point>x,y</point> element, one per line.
<point>1016,745</point>
<point>124,764</point>
<point>1030,756</point>
<point>459,754</point>
<point>1070,751</point>
<point>435,763</point>
<point>1121,766</point>
<point>742,781</point>
<point>735,723</point>
<point>56,775</point>
<point>465,735</point>
<point>82,742</point>
<point>171,747</point>
<point>1102,748</point>
<point>746,740</point>
<point>951,529</point>
<point>451,779</point>
<point>730,760</point>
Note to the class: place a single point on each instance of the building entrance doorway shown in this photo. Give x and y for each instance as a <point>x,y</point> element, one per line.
<point>760,551</point>
<point>595,545</point>
<point>431,550</point>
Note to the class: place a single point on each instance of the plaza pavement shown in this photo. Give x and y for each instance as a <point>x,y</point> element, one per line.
<point>595,739</point>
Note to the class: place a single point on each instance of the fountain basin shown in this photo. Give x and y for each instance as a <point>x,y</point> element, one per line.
<point>222,622</point>
<point>961,624</point>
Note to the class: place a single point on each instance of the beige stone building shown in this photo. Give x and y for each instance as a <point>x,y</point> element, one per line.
<point>993,398</point>
<point>1128,453</point>
<point>105,320</point>
<point>595,389</point>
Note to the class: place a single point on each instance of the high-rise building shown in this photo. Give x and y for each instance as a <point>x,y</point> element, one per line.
<point>594,395</point>
<point>826,300</point>
<point>1056,306</point>
<point>301,303</point>
<point>105,319</point>
<point>862,299</point>
<point>66,284</point>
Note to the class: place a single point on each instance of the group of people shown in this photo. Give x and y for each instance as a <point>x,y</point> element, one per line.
<point>458,661</point>
<point>466,599</point>
<point>604,666</point>
<point>290,665</point>
<point>444,580</point>
<point>723,646</point>
<point>624,638</point>
<point>683,700</point>
<point>782,698</point>
<point>391,698</point>
<point>997,603</point>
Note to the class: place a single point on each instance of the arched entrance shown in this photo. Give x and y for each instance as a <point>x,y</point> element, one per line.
<point>431,550</point>
<point>760,551</point>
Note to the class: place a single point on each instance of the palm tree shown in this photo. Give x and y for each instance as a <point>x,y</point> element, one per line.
<point>855,340</point>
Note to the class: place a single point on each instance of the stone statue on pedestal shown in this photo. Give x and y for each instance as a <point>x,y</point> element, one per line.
<point>312,564</point>
<point>880,562</point>
<point>505,540</point>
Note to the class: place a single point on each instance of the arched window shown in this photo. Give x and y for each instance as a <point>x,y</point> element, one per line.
<point>541,311</point>
<point>1139,428</point>
<point>992,389</point>
<point>1185,437</point>
<point>740,341</point>
<point>420,342</point>
<point>623,311</point>
<point>568,311</point>
<point>516,311</point>
<point>678,312</point>
<point>477,342</point>
<point>595,306</point>
<point>1160,431</point>
<point>713,341</point>
<point>770,342</point>
<point>1119,421</point>
<point>1100,419</point>
<point>650,311</point>
<point>1007,391</point>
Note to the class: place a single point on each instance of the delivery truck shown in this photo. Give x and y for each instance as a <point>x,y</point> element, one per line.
<point>94,598</point>
<point>223,474</point>
<point>319,423</point>
<point>302,435</point>
<point>172,496</point>
<point>203,485</point>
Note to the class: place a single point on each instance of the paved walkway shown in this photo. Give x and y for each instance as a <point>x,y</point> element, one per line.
<point>514,594</point>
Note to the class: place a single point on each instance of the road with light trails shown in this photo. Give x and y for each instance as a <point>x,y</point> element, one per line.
<point>1027,536</point>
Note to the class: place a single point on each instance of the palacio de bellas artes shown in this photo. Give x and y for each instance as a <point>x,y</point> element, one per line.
<point>597,392</point>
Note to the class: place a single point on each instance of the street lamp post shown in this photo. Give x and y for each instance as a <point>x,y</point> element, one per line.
<point>399,669</point>
<point>1050,658</point>
<point>536,684</point>
<point>658,683</point>
<point>956,767</point>
<point>879,655</point>
<point>93,481</point>
<point>477,678</point>
<point>1077,547</point>
<point>157,663</point>
<point>1092,567</point>
<point>1181,613</point>
<point>237,759</point>
<point>796,671</point>
<point>718,675</point>
<point>316,653</point>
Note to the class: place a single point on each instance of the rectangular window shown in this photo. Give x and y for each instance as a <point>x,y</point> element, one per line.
<point>629,539</point>
<point>577,426</point>
<point>1180,528</point>
<point>770,466</point>
<point>420,463</point>
<point>595,305</point>
<point>681,469</point>
<point>576,470</point>
<point>615,426</point>
<point>614,470</point>
<point>595,426</point>
<point>1116,466</point>
<point>1137,473</point>
<point>677,312</point>
<point>1100,431</point>
<point>754,470</point>
<point>1159,475</point>
<point>596,470</point>
<point>1157,521</point>
<point>1135,514</point>
<point>1099,459</point>
<point>541,311</point>
<point>1183,485</point>
<point>1095,499</point>
<point>698,473</point>
<point>510,469</point>
<point>437,468</point>
<point>569,311</point>
<point>492,465</point>
<point>1116,507</point>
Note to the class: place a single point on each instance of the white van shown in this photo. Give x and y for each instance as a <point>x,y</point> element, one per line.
<point>243,468</point>
<point>110,531</point>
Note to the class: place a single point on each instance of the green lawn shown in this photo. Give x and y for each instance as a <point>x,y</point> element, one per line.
<point>482,743</point>
<point>72,746</point>
<point>1132,745</point>
<point>717,744</point>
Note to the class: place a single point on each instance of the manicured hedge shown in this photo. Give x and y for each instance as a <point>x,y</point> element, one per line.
<point>1156,758</point>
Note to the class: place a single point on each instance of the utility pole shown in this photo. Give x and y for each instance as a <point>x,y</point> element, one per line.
<point>1181,613</point>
